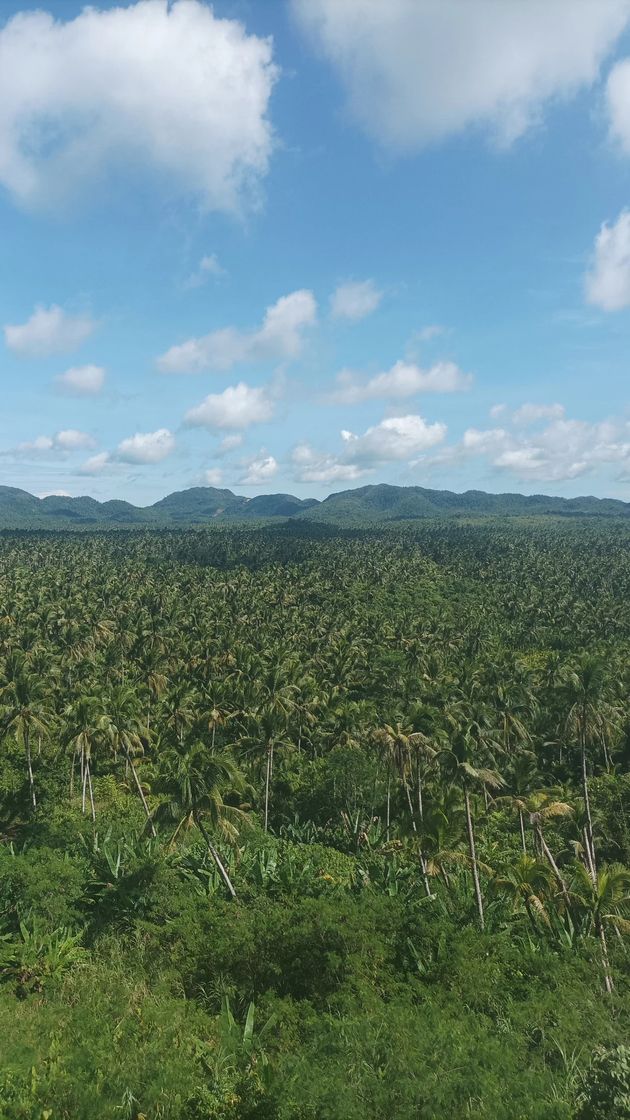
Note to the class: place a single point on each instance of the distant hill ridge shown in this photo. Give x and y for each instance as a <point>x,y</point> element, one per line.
<point>203,505</point>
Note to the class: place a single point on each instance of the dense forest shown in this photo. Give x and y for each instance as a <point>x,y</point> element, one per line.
<point>299,823</point>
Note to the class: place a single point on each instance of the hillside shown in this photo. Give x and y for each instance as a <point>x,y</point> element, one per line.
<point>365,505</point>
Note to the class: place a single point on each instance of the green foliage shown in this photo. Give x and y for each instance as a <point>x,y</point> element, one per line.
<point>298,823</point>
<point>607,1086</point>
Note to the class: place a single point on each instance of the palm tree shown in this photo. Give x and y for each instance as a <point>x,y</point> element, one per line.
<point>523,780</point>
<point>591,721</point>
<point>526,882</point>
<point>468,740</point>
<point>400,744</point>
<point>121,726</point>
<point>195,782</point>
<point>541,807</point>
<point>82,732</point>
<point>26,713</point>
<point>606,898</point>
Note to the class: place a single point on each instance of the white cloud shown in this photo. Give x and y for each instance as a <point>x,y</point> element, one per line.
<point>39,445</point>
<point>259,470</point>
<point>146,447</point>
<point>404,379</point>
<point>355,300</point>
<point>313,466</point>
<point>498,410</point>
<point>69,439</point>
<point>167,86</point>
<point>608,281</point>
<point>431,331</point>
<point>208,266</point>
<point>279,338</point>
<point>395,438</point>
<point>238,406</point>
<point>618,103</point>
<point>213,476</point>
<point>55,494</point>
<point>415,72</point>
<point>564,449</point>
<point>96,463</point>
<point>229,443</point>
<point>50,330</point>
<point>530,413</point>
<point>82,381</point>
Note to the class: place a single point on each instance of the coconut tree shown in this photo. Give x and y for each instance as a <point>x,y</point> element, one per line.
<point>471,739</point>
<point>527,883</point>
<point>591,722</point>
<point>606,900</point>
<point>26,713</point>
<point>194,783</point>
<point>81,732</point>
<point>121,726</point>
<point>541,807</point>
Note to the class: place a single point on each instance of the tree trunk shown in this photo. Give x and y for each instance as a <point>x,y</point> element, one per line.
<point>473,858</point>
<point>608,980</point>
<point>74,760</point>
<point>91,792</point>
<point>587,806</point>
<point>215,856</point>
<point>553,865</point>
<point>389,801</point>
<point>588,855</point>
<point>141,794</point>
<point>419,791</point>
<point>84,768</point>
<point>268,783</point>
<point>29,765</point>
<point>522,828</point>
<point>412,814</point>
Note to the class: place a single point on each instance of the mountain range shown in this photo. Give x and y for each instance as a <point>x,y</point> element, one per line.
<point>204,505</point>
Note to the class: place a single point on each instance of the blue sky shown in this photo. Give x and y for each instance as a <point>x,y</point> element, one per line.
<point>245,245</point>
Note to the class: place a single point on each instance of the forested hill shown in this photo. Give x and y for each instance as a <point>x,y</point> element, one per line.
<point>364,505</point>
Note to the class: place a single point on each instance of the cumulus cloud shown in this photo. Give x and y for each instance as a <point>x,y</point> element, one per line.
<point>355,300</point>
<point>96,463</point>
<point>608,280</point>
<point>404,379</point>
<point>562,450</point>
<point>396,438</point>
<point>313,466</point>
<point>167,86</point>
<point>50,330</point>
<point>279,338</point>
<point>618,103</point>
<point>259,469</point>
<point>431,331</point>
<point>531,413</point>
<point>227,445</point>
<point>82,381</point>
<point>213,476</point>
<point>146,447</point>
<point>396,60</point>
<point>208,266</point>
<point>238,406</point>
<point>69,439</point>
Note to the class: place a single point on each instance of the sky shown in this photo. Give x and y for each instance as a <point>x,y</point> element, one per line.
<point>307,245</point>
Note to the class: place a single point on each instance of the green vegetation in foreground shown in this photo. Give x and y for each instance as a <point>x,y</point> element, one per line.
<point>316,827</point>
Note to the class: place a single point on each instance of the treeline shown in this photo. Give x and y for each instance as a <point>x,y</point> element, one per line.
<point>302,825</point>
